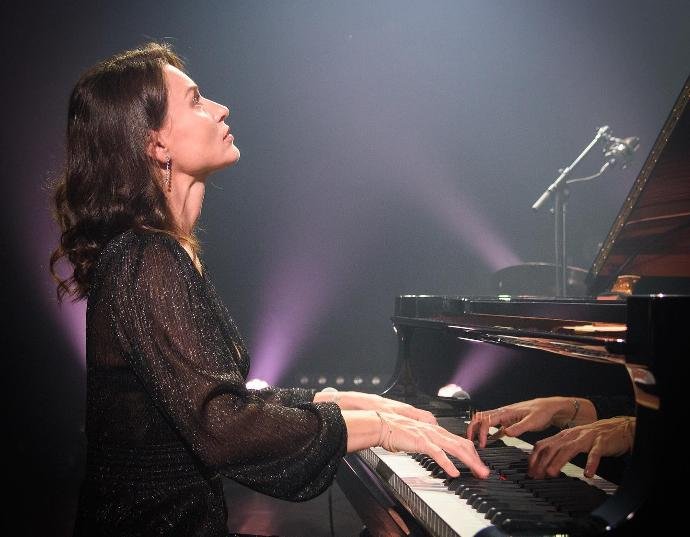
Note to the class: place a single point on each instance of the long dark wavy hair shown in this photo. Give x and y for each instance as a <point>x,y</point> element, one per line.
<point>110,184</point>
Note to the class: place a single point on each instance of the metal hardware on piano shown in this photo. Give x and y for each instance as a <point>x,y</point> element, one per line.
<point>627,337</point>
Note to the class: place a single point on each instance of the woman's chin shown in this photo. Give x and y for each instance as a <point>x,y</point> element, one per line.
<point>234,156</point>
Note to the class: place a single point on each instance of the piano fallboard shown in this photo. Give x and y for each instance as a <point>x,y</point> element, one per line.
<point>492,348</point>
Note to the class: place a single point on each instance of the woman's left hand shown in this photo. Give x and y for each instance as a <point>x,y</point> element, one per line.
<point>370,401</point>
<point>603,438</point>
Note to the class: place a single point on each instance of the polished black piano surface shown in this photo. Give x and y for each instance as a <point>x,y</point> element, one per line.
<point>626,338</point>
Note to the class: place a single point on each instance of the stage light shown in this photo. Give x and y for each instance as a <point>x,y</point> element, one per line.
<point>256,384</point>
<point>340,381</point>
<point>453,390</point>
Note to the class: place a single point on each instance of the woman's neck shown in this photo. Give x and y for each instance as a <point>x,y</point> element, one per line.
<point>185,201</point>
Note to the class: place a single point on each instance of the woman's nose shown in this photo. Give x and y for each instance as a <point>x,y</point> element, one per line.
<point>224,112</point>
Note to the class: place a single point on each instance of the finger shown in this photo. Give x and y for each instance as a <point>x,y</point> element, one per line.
<point>484,428</point>
<point>420,415</point>
<point>474,428</point>
<point>561,456</point>
<point>522,426</point>
<point>471,428</point>
<point>495,418</point>
<point>538,459</point>
<point>473,425</point>
<point>464,450</point>
<point>409,411</point>
<point>593,459</point>
<point>440,456</point>
<point>424,416</point>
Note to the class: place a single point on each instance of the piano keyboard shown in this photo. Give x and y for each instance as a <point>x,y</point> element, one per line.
<point>506,500</point>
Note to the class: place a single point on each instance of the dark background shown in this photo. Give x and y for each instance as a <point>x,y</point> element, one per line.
<point>387,148</point>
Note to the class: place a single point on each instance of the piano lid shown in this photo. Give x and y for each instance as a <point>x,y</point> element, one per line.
<point>650,237</point>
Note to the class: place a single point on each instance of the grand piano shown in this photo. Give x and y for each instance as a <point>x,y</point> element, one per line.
<point>626,338</point>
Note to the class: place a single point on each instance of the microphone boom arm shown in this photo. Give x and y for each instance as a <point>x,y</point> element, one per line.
<point>566,171</point>
<point>557,188</point>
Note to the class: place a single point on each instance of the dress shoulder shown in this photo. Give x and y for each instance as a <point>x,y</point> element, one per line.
<point>142,252</point>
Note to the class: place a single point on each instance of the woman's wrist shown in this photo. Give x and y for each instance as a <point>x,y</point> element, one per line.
<point>385,434</point>
<point>629,423</point>
<point>573,411</point>
<point>365,429</point>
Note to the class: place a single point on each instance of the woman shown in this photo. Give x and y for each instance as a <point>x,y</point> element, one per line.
<point>168,412</point>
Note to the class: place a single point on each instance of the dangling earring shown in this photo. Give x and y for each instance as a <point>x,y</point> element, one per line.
<point>168,182</point>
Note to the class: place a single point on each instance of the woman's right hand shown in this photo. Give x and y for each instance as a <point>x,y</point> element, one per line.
<point>395,432</point>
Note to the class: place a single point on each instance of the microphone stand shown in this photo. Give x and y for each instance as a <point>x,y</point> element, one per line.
<point>560,193</point>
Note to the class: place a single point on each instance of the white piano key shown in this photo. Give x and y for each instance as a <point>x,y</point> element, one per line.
<point>444,513</point>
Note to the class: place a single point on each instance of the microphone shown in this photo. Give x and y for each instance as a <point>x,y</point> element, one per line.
<point>619,150</point>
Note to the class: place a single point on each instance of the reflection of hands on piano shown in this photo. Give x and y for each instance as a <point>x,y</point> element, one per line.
<point>532,415</point>
<point>370,401</point>
<point>603,438</point>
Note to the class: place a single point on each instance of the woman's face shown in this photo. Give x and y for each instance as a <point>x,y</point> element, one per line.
<point>195,134</point>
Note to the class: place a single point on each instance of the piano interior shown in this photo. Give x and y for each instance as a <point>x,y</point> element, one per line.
<point>625,338</point>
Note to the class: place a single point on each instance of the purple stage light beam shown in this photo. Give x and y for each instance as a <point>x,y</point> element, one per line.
<point>37,239</point>
<point>455,211</point>
<point>294,298</point>
<point>480,364</point>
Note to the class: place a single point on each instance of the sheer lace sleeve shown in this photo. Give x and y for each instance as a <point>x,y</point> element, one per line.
<point>193,366</point>
<point>286,396</point>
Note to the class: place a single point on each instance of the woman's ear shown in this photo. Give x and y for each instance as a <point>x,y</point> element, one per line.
<point>156,149</point>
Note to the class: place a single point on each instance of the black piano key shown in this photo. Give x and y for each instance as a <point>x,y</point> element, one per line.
<point>514,500</point>
<point>486,506</point>
<point>572,487</point>
<point>439,472</point>
<point>450,482</point>
<point>536,514</point>
<point>514,476</point>
<point>508,497</point>
<point>525,505</point>
<point>458,463</point>
<point>538,526</point>
<point>428,463</point>
<point>466,492</point>
<point>462,482</point>
<point>495,487</point>
<point>509,493</point>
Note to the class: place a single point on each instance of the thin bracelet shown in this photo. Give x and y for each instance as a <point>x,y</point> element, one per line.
<point>384,426</point>
<point>630,423</point>
<point>571,423</point>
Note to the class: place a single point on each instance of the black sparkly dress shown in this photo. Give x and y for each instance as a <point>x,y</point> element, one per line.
<point>168,413</point>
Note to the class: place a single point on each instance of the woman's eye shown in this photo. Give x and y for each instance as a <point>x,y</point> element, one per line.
<point>196,99</point>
